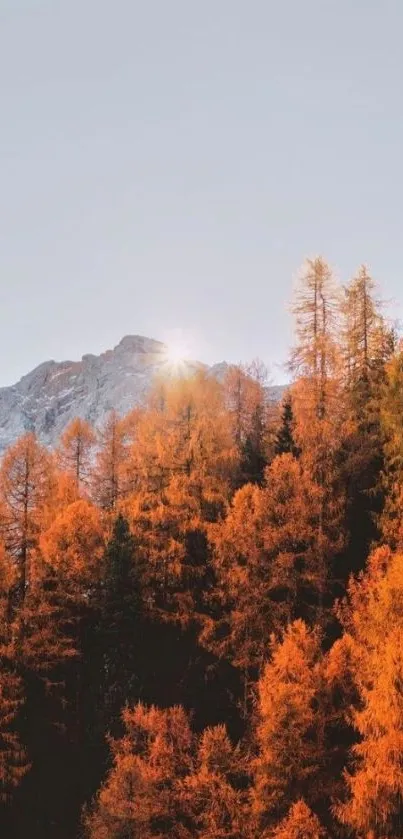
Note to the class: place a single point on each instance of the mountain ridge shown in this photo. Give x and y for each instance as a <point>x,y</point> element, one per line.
<point>48,397</point>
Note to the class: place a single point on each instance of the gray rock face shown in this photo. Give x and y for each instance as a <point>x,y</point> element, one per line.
<point>54,393</point>
<point>48,398</point>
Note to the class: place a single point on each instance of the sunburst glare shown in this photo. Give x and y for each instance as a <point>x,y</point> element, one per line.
<point>177,351</point>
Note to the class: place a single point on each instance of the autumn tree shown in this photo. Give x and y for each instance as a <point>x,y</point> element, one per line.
<point>318,411</point>
<point>391,410</point>
<point>270,559</point>
<point>108,471</point>
<point>320,417</point>
<point>30,487</point>
<point>74,544</point>
<point>141,794</point>
<point>37,646</point>
<point>179,471</point>
<point>300,823</point>
<point>166,781</point>
<point>26,481</point>
<point>374,630</point>
<point>246,401</point>
<point>315,365</point>
<point>75,452</point>
<point>290,731</point>
<point>367,343</point>
<point>181,464</point>
<point>314,358</point>
<point>13,758</point>
<point>364,333</point>
<point>72,549</point>
<point>213,794</point>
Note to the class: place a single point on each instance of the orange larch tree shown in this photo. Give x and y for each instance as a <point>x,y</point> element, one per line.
<point>247,404</point>
<point>292,758</point>
<point>314,359</point>
<point>75,452</point>
<point>213,795</point>
<point>165,781</point>
<point>301,823</point>
<point>320,415</point>
<point>13,758</point>
<point>181,465</point>
<point>141,796</point>
<point>26,485</point>
<point>108,471</point>
<point>374,632</point>
<point>268,557</point>
<point>73,546</point>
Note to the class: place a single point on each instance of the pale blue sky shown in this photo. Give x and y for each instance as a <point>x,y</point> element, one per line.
<point>168,164</point>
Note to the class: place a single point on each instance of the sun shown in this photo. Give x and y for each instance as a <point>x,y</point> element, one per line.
<point>179,352</point>
<point>176,353</point>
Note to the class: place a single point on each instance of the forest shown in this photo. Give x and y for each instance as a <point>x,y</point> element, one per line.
<point>201,631</point>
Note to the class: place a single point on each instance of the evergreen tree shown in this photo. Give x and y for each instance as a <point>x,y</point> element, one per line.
<point>391,411</point>
<point>118,636</point>
<point>285,440</point>
<point>367,345</point>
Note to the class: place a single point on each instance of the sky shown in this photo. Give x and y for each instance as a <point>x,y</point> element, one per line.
<point>167,165</point>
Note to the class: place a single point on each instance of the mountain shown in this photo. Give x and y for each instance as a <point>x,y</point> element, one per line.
<point>45,400</point>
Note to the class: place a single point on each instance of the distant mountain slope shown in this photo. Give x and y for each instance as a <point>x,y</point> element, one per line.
<point>46,399</point>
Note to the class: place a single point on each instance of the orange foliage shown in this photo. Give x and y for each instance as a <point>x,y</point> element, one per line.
<point>289,732</point>
<point>74,543</point>
<point>108,471</point>
<point>269,554</point>
<point>373,619</point>
<point>179,469</point>
<point>140,794</point>
<point>391,423</point>
<point>74,453</point>
<point>26,487</point>
<point>166,782</point>
<point>244,396</point>
<point>300,823</point>
<point>13,760</point>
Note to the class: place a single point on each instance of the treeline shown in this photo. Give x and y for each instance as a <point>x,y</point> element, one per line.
<point>201,605</point>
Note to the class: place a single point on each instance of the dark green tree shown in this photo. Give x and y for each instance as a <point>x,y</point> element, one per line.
<point>285,442</point>
<point>118,631</point>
